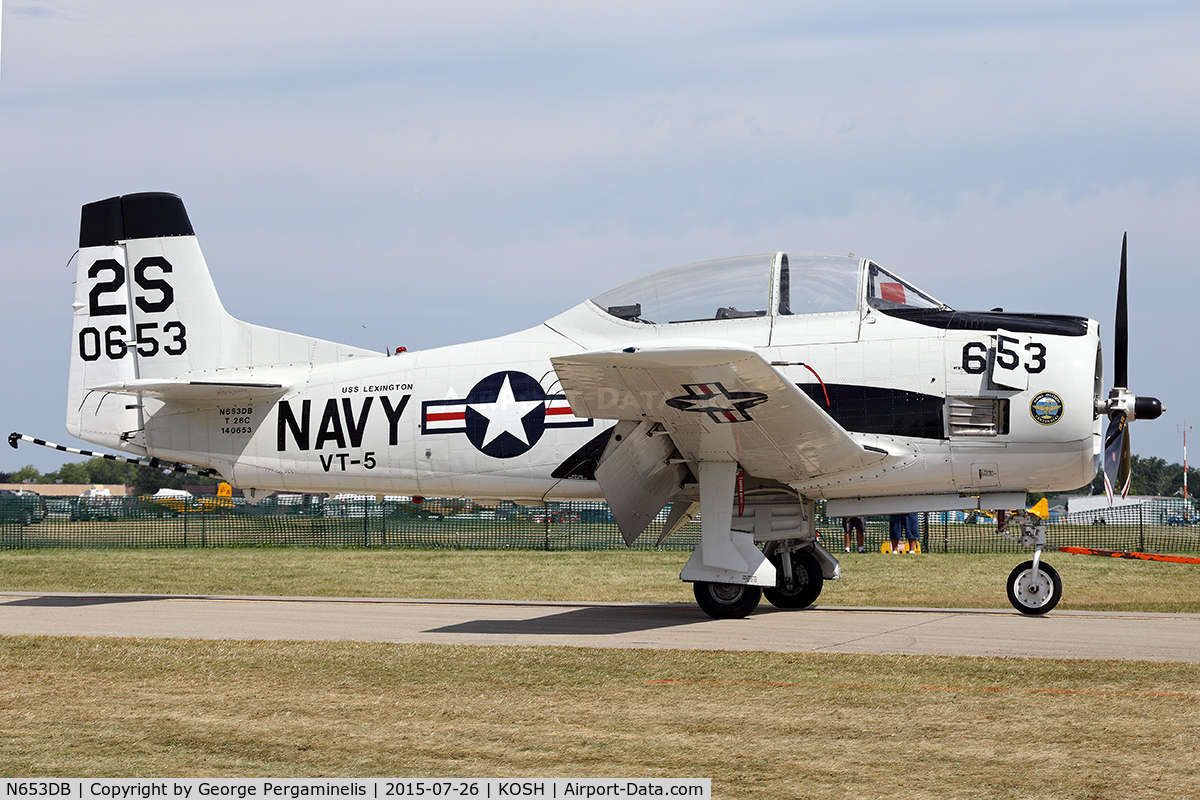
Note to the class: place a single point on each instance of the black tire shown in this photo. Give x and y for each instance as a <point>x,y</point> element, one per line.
<point>1031,593</point>
<point>726,600</point>
<point>808,580</point>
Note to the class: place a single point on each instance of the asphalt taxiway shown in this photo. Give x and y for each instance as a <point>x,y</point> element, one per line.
<point>923,631</point>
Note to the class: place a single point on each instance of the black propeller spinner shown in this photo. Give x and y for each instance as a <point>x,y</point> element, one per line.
<point>1122,406</point>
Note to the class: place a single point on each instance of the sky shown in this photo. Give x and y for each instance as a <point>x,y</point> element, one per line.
<point>420,174</point>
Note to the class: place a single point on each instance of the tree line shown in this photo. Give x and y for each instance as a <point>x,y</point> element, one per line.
<point>1154,477</point>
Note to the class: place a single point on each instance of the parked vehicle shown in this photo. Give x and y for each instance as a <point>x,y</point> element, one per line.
<point>173,502</point>
<point>293,504</point>
<point>360,505</point>
<point>23,508</point>
<point>169,502</point>
<point>352,505</point>
<point>554,517</point>
<point>97,503</point>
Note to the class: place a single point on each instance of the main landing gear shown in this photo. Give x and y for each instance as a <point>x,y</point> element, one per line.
<point>730,573</point>
<point>799,578</point>
<point>726,600</point>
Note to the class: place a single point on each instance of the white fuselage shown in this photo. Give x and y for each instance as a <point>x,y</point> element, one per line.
<point>400,425</point>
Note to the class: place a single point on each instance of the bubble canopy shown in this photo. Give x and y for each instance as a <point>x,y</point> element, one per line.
<point>758,286</point>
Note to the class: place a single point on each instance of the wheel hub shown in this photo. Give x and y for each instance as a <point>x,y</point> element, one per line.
<point>726,592</point>
<point>1033,588</point>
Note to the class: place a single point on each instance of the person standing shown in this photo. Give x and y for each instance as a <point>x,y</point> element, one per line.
<point>912,530</point>
<point>895,531</point>
<point>904,525</point>
<point>850,524</point>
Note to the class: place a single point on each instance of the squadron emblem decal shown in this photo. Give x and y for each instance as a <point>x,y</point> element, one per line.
<point>1046,408</point>
<point>503,416</point>
<point>719,403</point>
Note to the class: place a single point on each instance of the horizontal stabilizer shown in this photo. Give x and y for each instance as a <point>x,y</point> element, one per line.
<point>191,390</point>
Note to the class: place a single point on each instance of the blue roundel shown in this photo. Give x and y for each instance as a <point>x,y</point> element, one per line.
<point>506,414</point>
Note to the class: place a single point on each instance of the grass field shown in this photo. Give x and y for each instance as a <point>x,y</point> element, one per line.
<point>873,579</point>
<point>761,725</point>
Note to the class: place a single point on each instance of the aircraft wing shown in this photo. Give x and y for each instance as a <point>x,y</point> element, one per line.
<point>719,402</point>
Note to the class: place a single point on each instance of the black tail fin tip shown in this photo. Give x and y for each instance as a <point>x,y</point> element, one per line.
<point>148,215</point>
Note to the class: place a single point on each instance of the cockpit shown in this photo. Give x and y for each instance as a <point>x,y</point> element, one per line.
<point>763,285</point>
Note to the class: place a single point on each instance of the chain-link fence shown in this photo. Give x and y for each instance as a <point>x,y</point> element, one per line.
<point>364,521</point>
<point>1142,527</point>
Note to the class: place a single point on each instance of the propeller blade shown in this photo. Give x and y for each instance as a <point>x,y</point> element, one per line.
<point>1121,329</point>
<point>1116,456</point>
<point>1125,468</point>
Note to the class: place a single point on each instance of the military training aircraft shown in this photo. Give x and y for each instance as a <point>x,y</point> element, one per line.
<point>742,389</point>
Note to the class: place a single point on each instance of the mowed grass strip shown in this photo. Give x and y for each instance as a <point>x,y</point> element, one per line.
<point>761,725</point>
<point>873,579</point>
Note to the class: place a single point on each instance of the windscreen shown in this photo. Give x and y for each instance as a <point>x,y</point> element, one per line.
<point>885,291</point>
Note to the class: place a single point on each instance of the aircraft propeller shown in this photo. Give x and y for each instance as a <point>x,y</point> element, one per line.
<point>1121,405</point>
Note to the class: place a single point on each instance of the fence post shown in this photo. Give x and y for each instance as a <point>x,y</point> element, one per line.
<point>1141,530</point>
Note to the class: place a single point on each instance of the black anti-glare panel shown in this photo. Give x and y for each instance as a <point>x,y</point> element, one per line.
<point>1054,324</point>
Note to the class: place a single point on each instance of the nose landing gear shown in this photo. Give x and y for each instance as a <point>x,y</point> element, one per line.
<point>1034,588</point>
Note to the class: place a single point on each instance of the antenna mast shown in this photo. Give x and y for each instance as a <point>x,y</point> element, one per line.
<point>1186,428</point>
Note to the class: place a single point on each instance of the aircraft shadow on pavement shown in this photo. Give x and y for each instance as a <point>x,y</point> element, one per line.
<point>59,601</point>
<point>584,622</point>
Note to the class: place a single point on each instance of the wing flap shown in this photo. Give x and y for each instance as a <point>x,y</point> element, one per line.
<point>637,478</point>
<point>720,402</point>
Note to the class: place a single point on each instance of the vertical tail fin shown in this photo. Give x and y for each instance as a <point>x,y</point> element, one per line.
<point>148,321</point>
<point>127,320</point>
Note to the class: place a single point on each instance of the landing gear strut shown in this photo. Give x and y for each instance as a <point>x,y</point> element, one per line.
<point>729,573</point>
<point>1033,587</point>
